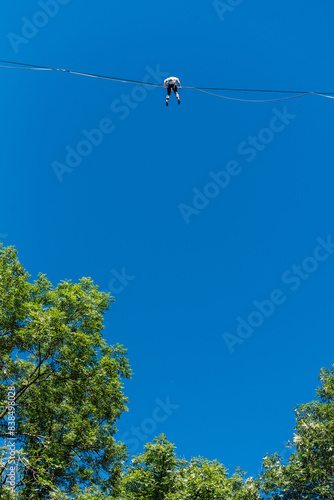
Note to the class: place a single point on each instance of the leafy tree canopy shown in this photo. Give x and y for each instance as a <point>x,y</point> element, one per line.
<point>309,472</point>
<point>158,474</point>
<point>67,379</point>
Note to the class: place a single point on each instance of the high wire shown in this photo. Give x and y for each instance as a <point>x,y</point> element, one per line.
<point>199,89</point>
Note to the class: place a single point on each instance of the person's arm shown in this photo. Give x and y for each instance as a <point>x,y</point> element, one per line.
<point>179,83</point>
<point>165,82</point>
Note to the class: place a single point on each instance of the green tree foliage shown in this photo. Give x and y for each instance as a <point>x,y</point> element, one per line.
<point>90,493</point>
<point>202,479</point>
<point>309,472</point>
<point>152,475</point>
<point>67,380</point>
<point>158,474</point>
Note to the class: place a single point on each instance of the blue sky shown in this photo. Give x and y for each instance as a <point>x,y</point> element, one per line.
<point>183,284</point>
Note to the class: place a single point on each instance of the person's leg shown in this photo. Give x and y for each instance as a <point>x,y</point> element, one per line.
<point>176,94</point>
<point>169,90</point>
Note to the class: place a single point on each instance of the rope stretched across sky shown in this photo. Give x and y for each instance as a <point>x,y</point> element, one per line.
<point>199,89</point>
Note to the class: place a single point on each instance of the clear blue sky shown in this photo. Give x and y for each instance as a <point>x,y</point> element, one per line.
<point>118,212</point>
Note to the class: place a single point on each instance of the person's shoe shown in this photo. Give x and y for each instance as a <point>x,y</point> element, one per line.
<point>166,103</point>
<point>179,102</point>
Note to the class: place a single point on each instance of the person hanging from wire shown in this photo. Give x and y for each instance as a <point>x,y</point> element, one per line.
<point>172,85</point>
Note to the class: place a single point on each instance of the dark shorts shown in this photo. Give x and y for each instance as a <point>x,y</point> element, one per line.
<point>170,87</point>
